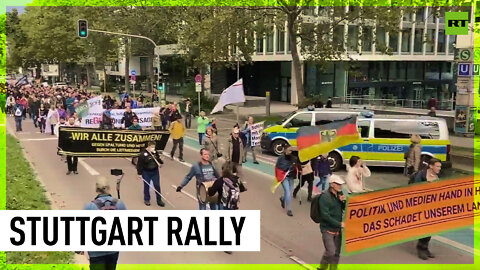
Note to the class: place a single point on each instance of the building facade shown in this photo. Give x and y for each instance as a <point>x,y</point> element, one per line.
<point>419,65</point>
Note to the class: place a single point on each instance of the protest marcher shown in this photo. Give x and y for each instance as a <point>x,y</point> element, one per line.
<point>211,143</point>
<point>177,130</point>
<point>61,111</point>
<point>10,104</point>
<point>34,108</point>
<point>104,260</point>
<point>135,125</point>
<point>157,121</point>
<point>188,113</point>
<point>229,183</point>
<point>357,171</point>
<point>235,151</point>
<point>72,162</point>
<point>286,163</point>
<point>305,175</point>
<point>148,164</point>
<point>107,119</point>
<point>202,123</point>
<point>23,100</point>
<point>428,175</point>
<point>248,146</point>
<point>18,113</point>
<point>53,118</point>
<point>413,157</point>
<point>204,171</point>
<point>42,117</point>
<point>322,170</point>
<point>332,205</point>
<point>213,125</point>
<point>128,116</point>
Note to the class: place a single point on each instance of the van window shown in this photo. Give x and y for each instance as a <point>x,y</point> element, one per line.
<point>301,120</point>
<point>364,128</point>
<point>403,129</point>
<point>326,118</point>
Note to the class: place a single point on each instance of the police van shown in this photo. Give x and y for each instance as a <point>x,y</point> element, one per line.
<point>384,138</point>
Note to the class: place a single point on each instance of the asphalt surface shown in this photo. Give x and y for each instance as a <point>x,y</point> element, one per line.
<point>284,239</point>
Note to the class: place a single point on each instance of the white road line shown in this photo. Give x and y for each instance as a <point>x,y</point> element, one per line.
<point>186,193</point>
<point>456,245</point>
<point>42,139</point>
<point>87,167</point>
<point>300,262</point>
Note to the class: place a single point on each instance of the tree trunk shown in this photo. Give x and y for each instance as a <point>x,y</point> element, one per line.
<point>127,65</point>
<point>297,73</point>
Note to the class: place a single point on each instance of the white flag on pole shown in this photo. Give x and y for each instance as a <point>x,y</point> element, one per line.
<point>233,94</point>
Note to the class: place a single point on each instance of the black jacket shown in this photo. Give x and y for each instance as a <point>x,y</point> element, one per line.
<point>128,118</point>
<point>146,161</point>
<point>218,187</point>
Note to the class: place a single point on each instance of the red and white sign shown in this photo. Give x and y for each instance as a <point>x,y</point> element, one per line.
<point>198,78</point>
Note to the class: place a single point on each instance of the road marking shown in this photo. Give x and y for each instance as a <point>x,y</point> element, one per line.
<point>42,139</point>
<point>456,245</point>
<point>186,193</point>
<point>87,167</point>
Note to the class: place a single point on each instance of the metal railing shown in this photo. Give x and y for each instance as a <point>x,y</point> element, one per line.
<point>389,102</point>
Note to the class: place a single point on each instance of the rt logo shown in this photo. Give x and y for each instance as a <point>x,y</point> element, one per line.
<point>457,23</point>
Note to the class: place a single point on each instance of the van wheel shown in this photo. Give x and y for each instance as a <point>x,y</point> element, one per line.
<point>336,161</point>
<point>278,147</point>
<point>424,159</point>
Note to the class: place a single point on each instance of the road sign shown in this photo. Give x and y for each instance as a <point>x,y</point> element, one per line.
<point>133,82</point>
<point>133,78</point>
<point>464,69</point>
<point>465,55</point>
<point>198,78</point>
<point>133,72</point>
<point>198,87</point>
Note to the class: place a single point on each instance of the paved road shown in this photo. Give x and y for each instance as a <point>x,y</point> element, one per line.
<point>283,238</point>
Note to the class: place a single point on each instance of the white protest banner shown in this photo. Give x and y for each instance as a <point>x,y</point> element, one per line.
<point>256,133</point>
<point>144,115</point>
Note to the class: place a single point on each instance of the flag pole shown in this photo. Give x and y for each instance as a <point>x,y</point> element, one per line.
<point>238,78</point>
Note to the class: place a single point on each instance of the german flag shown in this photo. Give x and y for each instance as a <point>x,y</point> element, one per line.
<point>318,140</point>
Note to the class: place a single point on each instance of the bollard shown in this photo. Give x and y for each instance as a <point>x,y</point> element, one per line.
<point>267,103</point>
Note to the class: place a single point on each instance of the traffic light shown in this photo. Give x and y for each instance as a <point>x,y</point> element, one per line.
<point>160,85</point>
<point>82,28</point>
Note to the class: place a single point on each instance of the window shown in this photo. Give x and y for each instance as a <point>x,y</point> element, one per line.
<point>270,42</point>
<point>451,43</point>
<point>309,11</point>
<point>430,45</point>
<point>397,71</point>
<point>259,45</point>
<point>393,41</point>
<point>432,71</point>
<point>301,120</point>
<point>326,118</point>
<point>403,129</point>
<point>407,17</point>
<point>380,39</point>
<point>323,11</point>
<point>441,41</point>
<point>338,33</point>
<point>415,71</point>
<point>406,40</point>
<point>420,15</point>
<point>378,71</point>
<point>353,38</point>
<point>418,42</point>
<point>280,40</point>
<point>364,128</point>
<point>367,39</point>
<point>447,73</point>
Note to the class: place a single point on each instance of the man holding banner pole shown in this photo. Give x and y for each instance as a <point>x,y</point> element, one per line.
<point>147,168</point>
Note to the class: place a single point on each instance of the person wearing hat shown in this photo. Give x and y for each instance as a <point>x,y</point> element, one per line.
<point>177,129</point>
<point>235,151</point>
<point>332,204</point>
<point>413,157</point>
<point>103,201</point>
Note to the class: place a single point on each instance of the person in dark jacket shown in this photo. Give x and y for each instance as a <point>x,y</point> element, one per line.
<point>322,170</point>
<point>429,175</point>
<point>432,102</point>
<point>286,163</point>
<point>228,178</point>
<point>147,169</point>
<point>305,175</point>
<point>332,204</point>
<point>128,117</point>
<point>107,119</point>
<point>329,103</point>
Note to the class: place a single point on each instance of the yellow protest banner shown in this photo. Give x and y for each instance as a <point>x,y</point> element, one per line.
<point>388,217</point>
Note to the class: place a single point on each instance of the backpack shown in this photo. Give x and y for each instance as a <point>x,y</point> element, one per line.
<point>230,194</point>
<point>105,205</point>
<point>315,208</point>
<point>18,111</point>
